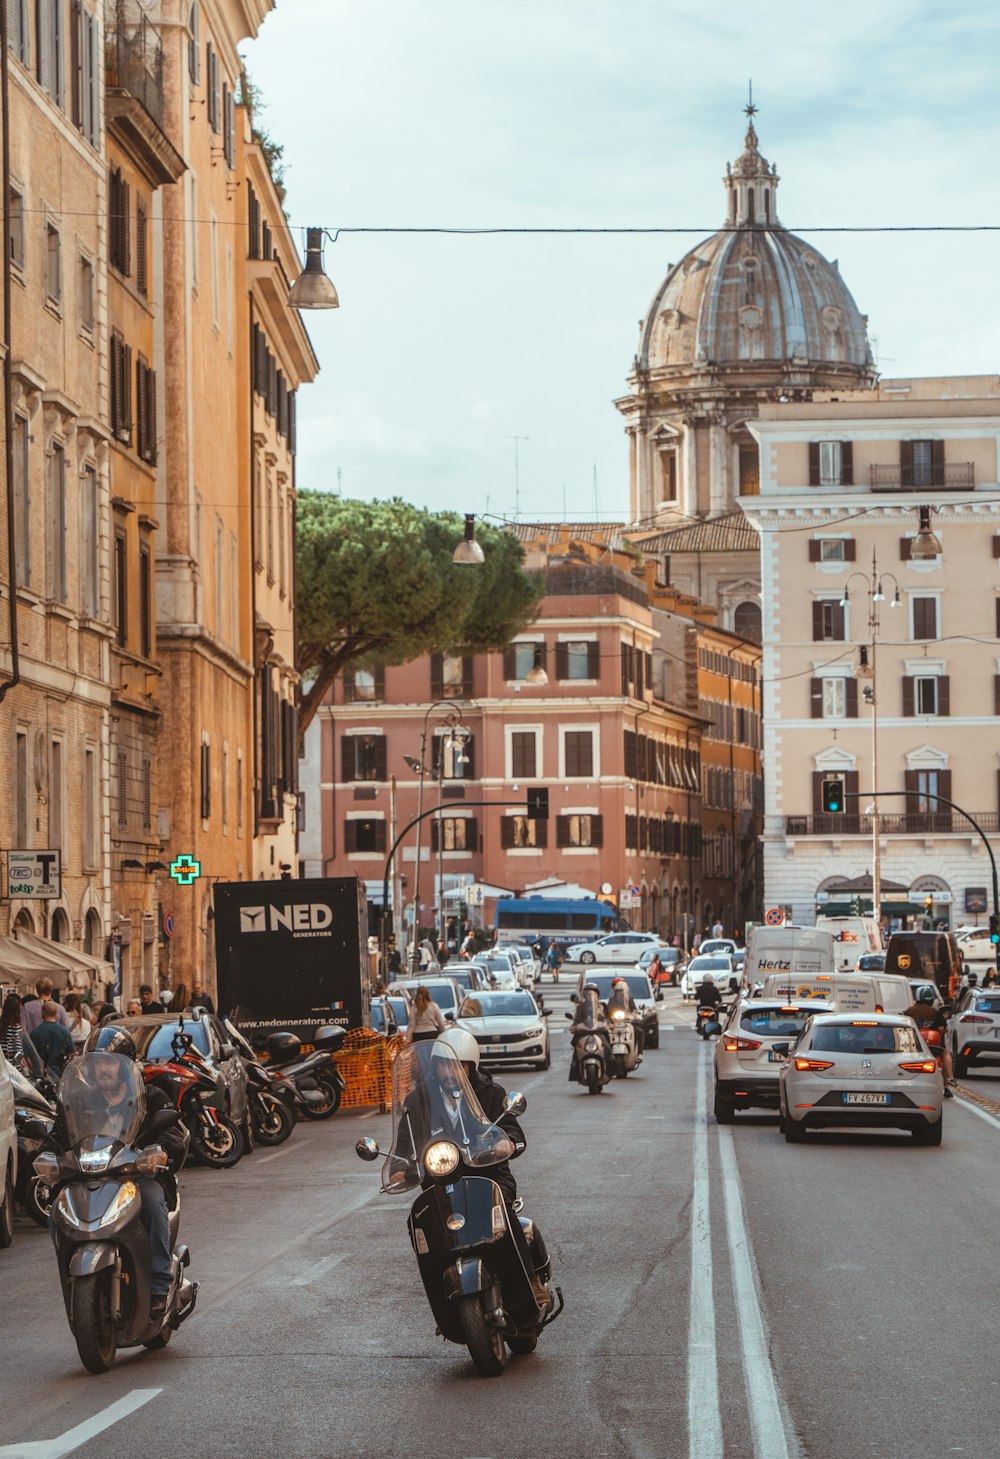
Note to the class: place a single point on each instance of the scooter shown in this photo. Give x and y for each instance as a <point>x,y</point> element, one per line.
<point>33,1119</point>
<point>311,1084</point>
<point>485,1268</point>
<point>102,1246</point>
<point>591,1063</point>
<point>624,1044</point>
<point>708,1021</point>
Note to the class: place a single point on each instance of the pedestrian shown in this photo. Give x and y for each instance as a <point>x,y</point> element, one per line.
<point>52,1040</point>
<point>149,1003</point>
<point>31,1008</point>
<point>180,1000</point>
<point>134,1008</point>
<point>468,945</point>
<point>108,1010</point>
<point>655,969</point>
<point>553,959</point>
<point>428,1020</point>
<point>200,999</point>
<point>395,961</point>
<point>79,1025</point>
<point>15,1044</point>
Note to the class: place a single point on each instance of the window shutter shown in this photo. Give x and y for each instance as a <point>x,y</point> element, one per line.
<point>151,416</point>
<point>818,777</point>
<point>905,548</point>
<point>75,59</point>
<point>817,621</point>
<point>467,662</point>
<point>141,252</point>
<point>140,404</point>
<point>906,463</point>
<point>597,830</point>
<point>381,750</point>
<point>944,788</point>
<point>348,682</point>
<point>851,793</point>
<point>43,44</point>
<point>541,833</point>
<point>851,698</point>
<point>625,676</point>
<point>910,785</point>
<point>847,463</point>
<point>472,834</point>
<point>509,663</point>
<point>640,675</point>
<point>127,424</point>
<point>435,832</point>
<point>594,661</point>
<point>996,693</point>
<point>350,835</point>
<point>996,546</point>
<point>562,831</point>
<point>506,832</point>
<point>437,676</point>
<point>907,697</point>
<point>815,548</point>
<point>850,549</point>
<point>562,662</point>
<point>126,227</point>
<point>347,758</point>
<point>814,463</point>
<point>944,695</point>
<point>379,677</point>
<point>937,462</point>
<point>469,768</point>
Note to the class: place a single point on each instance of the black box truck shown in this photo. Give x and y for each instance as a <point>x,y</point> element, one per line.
<point>292,954</point>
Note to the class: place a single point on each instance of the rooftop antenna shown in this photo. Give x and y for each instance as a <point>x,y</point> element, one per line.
<point>517,474</point>
<point>339,490</point>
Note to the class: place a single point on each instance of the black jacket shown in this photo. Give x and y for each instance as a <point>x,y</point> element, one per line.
<point>707,993</point>
<point>491,1096</point>
<point>172,1140</point>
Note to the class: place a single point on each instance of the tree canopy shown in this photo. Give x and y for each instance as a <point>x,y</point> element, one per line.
<point>375,584</point>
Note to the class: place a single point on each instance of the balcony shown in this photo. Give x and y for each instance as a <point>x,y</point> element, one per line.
<point>909,823</point>
<point>952,476</point>
<point>133,79</point>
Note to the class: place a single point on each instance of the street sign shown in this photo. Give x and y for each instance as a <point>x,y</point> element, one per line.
<point>34,874</point>
<point>774,917</point>
<point>168,925</point>
<point>185,870</point>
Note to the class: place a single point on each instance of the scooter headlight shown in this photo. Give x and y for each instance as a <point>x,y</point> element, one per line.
<point>441,1158</point>
<point>591,1044</point>
<point>91,1160</point>
<point>618,1015</point>
<point>127,1193</point>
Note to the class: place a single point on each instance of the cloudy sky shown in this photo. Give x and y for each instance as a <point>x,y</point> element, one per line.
<point>603,113</point>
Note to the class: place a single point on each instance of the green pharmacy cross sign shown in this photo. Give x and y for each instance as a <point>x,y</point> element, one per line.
<point>185,870</point>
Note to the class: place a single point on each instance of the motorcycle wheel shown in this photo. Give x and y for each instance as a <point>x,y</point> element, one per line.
<point>7,1212</point>
<point>36,1207</point>
<point>273,1121</point>
<point>248,1132</point>
<point>593,1079</point>
<point>92,1323</point>
<point>330,1105</point>
<point>621,1068</point>
<point>525,1342</point>
<point>485,1343</point>
<point>219,1145</point>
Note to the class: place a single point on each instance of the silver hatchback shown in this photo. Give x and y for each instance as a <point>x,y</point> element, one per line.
<point>753,1050</point>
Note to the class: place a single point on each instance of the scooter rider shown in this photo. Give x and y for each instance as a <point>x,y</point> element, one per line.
<point>620,998</point>
<point>927,1017</point>
<point>109,1094</point>
<point>707,995</point>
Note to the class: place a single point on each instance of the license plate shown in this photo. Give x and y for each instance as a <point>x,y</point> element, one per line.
<point>867,1098</point>
<point>773,1058</point>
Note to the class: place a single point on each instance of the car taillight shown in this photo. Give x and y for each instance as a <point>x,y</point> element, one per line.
<point>743,1045</point>
<point>815,1064</point>
<point>921,1066</point>
<point>975,1018</point>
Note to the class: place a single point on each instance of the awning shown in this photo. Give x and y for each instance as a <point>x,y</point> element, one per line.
<point>456,894</point>
<point>82,968</point>
<point>22,966</point>
<point>889,908</point>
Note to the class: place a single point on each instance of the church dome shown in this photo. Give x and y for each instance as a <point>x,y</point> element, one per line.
<point>754,299</point>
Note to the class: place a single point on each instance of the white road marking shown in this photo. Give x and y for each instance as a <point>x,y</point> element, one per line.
<point>317,1269</point>
<point>275,1154</point>
<point>973,1109</point>
<point>704,1412</point>
<point>766,1415</point>
<point>82,1433</point>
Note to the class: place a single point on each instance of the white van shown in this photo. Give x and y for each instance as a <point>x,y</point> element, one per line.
<point>852,936</point>
<point>797,953</point>
<point>848,992</point>
<point>8,1155</point>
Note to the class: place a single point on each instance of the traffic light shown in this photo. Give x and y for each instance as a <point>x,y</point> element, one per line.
<point>994,928</point>
<point>833,796</point>
<point>538,803</point>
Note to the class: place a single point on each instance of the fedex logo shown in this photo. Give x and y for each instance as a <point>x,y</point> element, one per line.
<point>845,937</point>
<point>293,917</point>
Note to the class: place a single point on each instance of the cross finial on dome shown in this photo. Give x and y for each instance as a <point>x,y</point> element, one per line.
<point>750,109</point>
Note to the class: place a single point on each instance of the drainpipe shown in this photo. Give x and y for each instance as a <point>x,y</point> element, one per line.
<point>254,529</point>
<point>8,384</point>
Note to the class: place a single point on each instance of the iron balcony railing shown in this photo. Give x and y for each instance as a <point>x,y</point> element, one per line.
<point>133,55</point>
<point>909,823</point>
<point>952,476</point>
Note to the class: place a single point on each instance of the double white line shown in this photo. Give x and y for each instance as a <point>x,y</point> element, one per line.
<point>767,1419</point>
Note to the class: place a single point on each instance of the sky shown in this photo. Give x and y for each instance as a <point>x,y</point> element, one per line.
<point>602,113</point>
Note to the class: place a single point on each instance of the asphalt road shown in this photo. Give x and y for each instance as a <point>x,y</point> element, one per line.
<point>727,1296</point>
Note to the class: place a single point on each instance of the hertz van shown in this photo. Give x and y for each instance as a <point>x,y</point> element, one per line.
<point>852,936</point>
<point>797,954</point>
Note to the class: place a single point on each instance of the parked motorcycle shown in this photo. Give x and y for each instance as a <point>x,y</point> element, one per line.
<point>186,1079</point>
<point>485,1268</point>
<point>271,1119</point>
<point>33,1118</point>
<point>300,1078</point>
<point>591,1062</point>
<point>102,1246</point>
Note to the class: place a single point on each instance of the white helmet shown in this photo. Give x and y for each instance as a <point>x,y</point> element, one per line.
<point>458,1044</point>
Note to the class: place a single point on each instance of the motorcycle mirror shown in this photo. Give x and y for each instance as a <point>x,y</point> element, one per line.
<point>450,1016</point>
<point>515,1103</point>
<point>33,1129</point>
<point>567,1014</point>
<point>546,1012</point>
<point>367,1149</point>
<point>227,1051</point>
<point>572,997</point>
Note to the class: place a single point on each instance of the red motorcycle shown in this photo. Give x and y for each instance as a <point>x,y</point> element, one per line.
<point>186,1079</point>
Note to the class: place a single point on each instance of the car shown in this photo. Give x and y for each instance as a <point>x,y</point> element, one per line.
<point>524,964</point>
<point>390,1014</point>
<point>508,1026</point>
<point>617,947</point>
<point>869,1072</point>
<point>8,1154</point>
<point>527,950</point>
<point>918,986</point>
<point>643,996</point>
<point>467,975</point>
<point>752,1050</point>
<point>499,969</point>
<point>153,1035</point>
<point>445,992</point>
<point>718,944</point>
<point>870,962</point>
<point>975,946</point>
<point>719,964</point>
<point>671,963</point>
<point>973,1031</point>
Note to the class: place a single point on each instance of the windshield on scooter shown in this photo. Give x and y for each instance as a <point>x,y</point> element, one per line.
<point>103,1101</point>
<point>618,1005</point>
<point>433,1102</point>
<point>589,1010</point>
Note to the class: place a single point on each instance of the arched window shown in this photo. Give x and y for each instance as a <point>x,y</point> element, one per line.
<point>767,205</point>
<point>60,926</point>
<point>25,920</point>
<point>92,934</point>
<point>747,622</point>
<point>751,216</point>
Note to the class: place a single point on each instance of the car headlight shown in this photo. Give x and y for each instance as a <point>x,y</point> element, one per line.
<point>127,1193</point>
<point>533,1033</point>
<point>441,1158</point>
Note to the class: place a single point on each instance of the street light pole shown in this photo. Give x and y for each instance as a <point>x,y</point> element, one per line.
<point>419,767</point>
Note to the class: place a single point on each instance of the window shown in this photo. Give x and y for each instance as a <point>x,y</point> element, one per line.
<point>86,285</point>
<point>225,790</point>
<point>121,590</point>
<point>579,830</point>
<point>56,793</point>
<point>578,752</point>
<point>121,389</point>
<point>454,833</point>
<point>21,790</point>
<point>926,695</point>
<point>831,463</point>
<point>86,74</point>
<point>22,500</point>
<point>520,658</point>
<point>578,659</point>
<point>118,223</point>
<point>364,757</point>
<point>18,30</point>
<point>747,622</point>
<point>457,752</point>
<point>364,686</point>
<point>668,474</point>
<point>749,471</point>
<point>16,199</point>
<point>145,411</point>
<point>834,698</point>
<point>212,81</point>
<point>922,454</point>
<point>518,833</point>
<point>828,620</point>
<point>206,781</point>
<point>122,796</point>
<point>452,676</point>
<point>56,514</point>
<point>194,45</point>
<point>88,543</point>
<point>89,808</point>
<point>833,549</point>
<point>925,618</point>
<point>365,835</point>
<point>239,792</point>
<point>141,251</point>
<point>523,755</point>
<point>145,601</point>
<point>53,264</point>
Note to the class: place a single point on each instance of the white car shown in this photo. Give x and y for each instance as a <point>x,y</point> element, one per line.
<point>617,947</point>
<point>499,968</point>
<point>868,1072</point>
<point>719,944</point>
<point>508,1026</point>
<point>973,1031</point>
<point>8,1155</point>
<point>524,964</point>
<point>975,946</point>
<point>719,964</point>
<point>753,1049</point>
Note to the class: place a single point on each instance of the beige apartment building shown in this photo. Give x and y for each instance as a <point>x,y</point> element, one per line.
<point>874,655</point>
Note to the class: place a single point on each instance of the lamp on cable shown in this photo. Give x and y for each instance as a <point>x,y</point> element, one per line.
<point>926,545</point>
<point>536,674</point>
<point>468,553</point>
<point>313,289</point>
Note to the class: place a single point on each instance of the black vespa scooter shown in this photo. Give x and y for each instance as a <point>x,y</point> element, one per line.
<point>102,1246</point>
<point>485,1268</point>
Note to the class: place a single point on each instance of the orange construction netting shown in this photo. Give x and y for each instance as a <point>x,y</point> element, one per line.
<point>365,1060</point>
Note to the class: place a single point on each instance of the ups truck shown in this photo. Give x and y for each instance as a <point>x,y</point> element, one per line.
<point>292,955</point>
